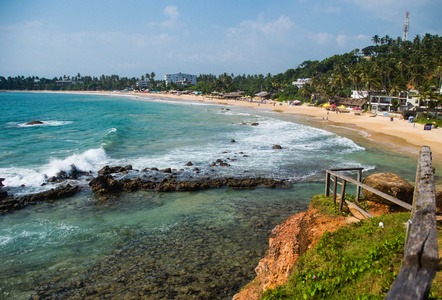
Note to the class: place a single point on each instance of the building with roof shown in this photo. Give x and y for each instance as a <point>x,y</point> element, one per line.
<point>180,78</point>
<point>300,82</point>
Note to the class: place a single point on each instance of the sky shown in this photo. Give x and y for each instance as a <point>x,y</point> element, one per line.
<point>130,38</point>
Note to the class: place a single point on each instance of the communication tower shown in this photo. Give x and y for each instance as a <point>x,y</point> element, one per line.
<point>406,26</point>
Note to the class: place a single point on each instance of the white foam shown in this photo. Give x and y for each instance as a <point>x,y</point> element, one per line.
<point>46,123</point>
<point>32,179</point>
<point>299,144</point>
<point>90,160</point>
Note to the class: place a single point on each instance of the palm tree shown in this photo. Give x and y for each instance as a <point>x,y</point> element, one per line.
<point>354,76</point>
<point>426,92</point>
<point>376,40</point>
<point>370,78</point>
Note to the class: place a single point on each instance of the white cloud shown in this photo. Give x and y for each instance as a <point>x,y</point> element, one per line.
<point>322,38</point>
<point>321,8</point>
<point>266,30</point>
<point>172,12</point>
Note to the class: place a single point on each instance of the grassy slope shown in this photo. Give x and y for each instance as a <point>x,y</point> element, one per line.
<point>359,261</point>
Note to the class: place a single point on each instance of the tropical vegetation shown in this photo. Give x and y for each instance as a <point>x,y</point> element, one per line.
<point>388,65</point>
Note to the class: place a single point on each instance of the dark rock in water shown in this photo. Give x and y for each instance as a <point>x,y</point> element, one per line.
<point>232,141</point>
<point>189,164</point>
<point>74,172</point>
<point>62,175</point>
<point>254,124</point>
<point>154,169</point>
<point>106,185</point>
<point>52,179</point>
<point>34,123</point>
<point>167,170</point>
<point>13,203</point>
<point>276,147</point>
<point>106,170</point>
<point>1,181</point>
<point>3,195</point>
<point>223,164</point>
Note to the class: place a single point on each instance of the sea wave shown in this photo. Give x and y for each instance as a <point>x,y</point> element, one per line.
<point>27,180</point>
<point>305,153</point>
<point>89,161</point>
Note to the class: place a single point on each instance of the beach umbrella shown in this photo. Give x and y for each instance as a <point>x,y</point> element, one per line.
<point>333,105</point>
<point>326,105</point>
<point>342,107</point>
<point>357,108</point>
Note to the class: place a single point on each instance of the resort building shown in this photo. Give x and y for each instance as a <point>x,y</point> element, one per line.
<point>262,95</point>
<point>385,103</point>
<point>300,82</point>
<point>143,83</point>
<point>180,78</point>
<point>66,81</point>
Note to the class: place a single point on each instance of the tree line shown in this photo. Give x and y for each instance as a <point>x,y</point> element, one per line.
<point>388,65</point>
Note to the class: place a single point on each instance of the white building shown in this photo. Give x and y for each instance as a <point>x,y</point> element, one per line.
<point>359,94</point>
<point>300,82</point>
<point>180,78</point>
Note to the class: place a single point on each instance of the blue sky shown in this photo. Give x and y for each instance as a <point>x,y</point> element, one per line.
<point>49,38</point>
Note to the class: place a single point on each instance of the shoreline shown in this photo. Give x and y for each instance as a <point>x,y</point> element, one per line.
<point>397,136</point>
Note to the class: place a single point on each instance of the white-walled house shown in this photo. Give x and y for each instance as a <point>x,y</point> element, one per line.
<point>300,82</point>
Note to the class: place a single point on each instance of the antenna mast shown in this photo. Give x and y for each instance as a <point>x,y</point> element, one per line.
<point>406,26</point>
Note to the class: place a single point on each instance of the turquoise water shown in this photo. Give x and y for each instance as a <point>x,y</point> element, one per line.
<point>158,246</point>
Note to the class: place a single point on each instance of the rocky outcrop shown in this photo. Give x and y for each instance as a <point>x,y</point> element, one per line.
<point>107,185</point>
<point>34,123</point>
<point>287,243</point>
<point>106,170</point>
<point>3,194</point>
<point>390,184</point>
<point>11,203</point>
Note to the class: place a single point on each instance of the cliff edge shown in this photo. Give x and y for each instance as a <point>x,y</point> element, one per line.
<point>287,243</point>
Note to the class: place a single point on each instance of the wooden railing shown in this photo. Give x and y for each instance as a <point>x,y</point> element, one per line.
<point>359,186</point>
<point>421,258</point>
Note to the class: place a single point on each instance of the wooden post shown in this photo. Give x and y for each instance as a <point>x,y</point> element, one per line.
<point>341,201</point>
<point>327,184</point>
<point>358,187</point>
<point>421,254</point>
<point>335,188</point>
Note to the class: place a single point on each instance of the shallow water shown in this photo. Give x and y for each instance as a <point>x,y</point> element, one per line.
<point>167,246</point>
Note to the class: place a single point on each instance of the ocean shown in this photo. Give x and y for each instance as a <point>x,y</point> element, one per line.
<point>180,245</point>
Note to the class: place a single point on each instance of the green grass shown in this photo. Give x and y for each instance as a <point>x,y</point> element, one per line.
<point>358,261</point>
<point>424,120</point>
